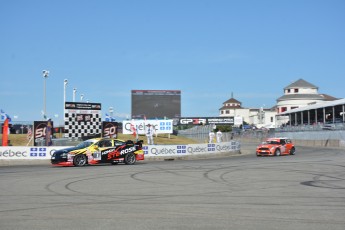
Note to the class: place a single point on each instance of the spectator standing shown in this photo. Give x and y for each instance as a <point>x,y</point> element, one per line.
<point>219,136</point>
<point>211,136</point>
<point>149,134</point>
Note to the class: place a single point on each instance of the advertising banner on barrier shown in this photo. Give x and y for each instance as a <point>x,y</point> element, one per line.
<point>28,153</point>
<point>191,149</point>
<point>45,153</point>
<point>161,126</point>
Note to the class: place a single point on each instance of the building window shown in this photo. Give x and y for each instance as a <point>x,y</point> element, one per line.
<point>283,109</point>
<point>296,90</point>
<point>227,111</point>
<point>271,119</point>
<point>288,90</point>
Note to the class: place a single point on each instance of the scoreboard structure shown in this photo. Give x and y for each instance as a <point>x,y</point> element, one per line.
<point>156,104</point>
<point>82,119</point>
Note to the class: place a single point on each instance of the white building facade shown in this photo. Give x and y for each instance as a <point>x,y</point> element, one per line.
<point>296,95</point>
<point>257,117</point>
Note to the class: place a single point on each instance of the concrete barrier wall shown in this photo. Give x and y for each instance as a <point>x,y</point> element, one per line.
<point>191,150</point>
<point>152,152</point>
<point>319,143</point>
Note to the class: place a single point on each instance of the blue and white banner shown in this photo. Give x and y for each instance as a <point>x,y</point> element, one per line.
<point>160,126</point>
<point>45,153</point>
<point>28,153</point>
<point>190,149</point>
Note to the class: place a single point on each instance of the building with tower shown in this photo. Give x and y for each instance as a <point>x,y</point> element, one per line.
<point>258,117</point>
<point>298,94</point>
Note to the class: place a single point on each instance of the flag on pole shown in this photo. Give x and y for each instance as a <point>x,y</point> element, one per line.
<point>49,133</point>
<point>29,134</point>
<point>5,116</point>
<point>5,133</point>
<point>107,117</point>
<point>133,129</point>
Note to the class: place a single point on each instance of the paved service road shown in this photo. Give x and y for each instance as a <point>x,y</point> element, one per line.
<point>305,191</point>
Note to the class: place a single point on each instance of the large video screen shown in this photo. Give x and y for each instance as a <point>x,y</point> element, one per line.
<point>156,104</point>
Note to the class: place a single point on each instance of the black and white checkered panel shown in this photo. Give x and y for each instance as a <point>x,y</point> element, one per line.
<point>75,129</point>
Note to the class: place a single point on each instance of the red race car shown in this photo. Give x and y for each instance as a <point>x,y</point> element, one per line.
<point>276,146</point>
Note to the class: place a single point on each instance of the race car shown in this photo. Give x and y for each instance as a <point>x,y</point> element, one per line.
<point>99,150</point>
<point>276,146</point>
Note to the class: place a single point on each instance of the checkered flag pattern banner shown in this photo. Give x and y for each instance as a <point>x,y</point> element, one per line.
<point>76,127</point>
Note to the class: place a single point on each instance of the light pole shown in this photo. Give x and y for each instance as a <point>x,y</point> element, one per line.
<point>56,117</point>
<point>65,83</point>
<point>45,76</point>
<point>74,92</point>
<point>262,115</point>
<point>111,111</point>
<point>81,97</point>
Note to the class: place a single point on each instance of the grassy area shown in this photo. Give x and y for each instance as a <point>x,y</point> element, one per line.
<point>21,139</point>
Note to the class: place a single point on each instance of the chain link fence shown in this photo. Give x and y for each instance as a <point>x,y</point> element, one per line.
<point>316,135</point>
<point>201,134</point>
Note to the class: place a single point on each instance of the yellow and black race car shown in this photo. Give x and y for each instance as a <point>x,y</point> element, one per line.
<point>99,150</point>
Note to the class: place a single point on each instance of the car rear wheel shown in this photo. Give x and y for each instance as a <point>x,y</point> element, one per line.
<point>292,151</point>
<point>277,152</point>
<point>129,159</point>
<point>79,160</point>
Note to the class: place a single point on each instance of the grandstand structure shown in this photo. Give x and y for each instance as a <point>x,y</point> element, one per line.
<point>327,114</point>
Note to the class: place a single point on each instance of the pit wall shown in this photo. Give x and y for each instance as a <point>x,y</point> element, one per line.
<point>30,153</point>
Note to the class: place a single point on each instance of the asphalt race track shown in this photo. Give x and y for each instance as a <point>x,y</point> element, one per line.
<point>305,191</point>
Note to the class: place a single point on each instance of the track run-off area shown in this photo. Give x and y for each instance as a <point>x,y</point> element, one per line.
<point>305,191</point>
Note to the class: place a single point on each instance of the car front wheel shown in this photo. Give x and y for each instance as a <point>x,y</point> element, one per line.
<point>79,160</point>
<point>277,152</point>
<point>292,151</point>
<point>130,159</point>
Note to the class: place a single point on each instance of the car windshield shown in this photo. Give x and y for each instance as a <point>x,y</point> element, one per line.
<point>272,142</point>
<point>118,143</point>
<point>85,144</point>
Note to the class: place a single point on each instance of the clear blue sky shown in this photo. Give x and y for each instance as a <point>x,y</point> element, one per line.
<point>208,49</point>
